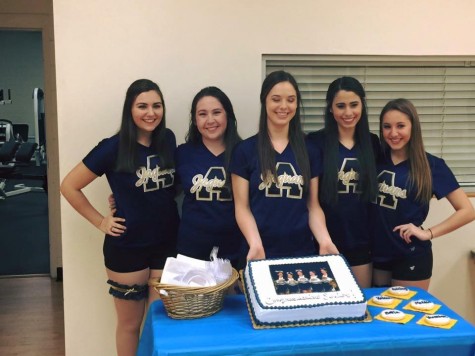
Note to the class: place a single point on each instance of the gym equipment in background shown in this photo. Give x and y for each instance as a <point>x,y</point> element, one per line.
<point>39,119</point>
<point>14,158</point>
<point>6,131</point>
<point>17,154</point>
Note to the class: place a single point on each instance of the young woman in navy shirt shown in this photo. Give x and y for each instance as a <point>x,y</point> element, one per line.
<point>348,182</point>
<point>408,178</point>
<point>202,167</point>
<point>138,164</point>
<point>272,177</point>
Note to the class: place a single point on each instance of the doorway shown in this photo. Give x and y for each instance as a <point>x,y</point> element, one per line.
<point>24,228</point>
<point>32,15</point>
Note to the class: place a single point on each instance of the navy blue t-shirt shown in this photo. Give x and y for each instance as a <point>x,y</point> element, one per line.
<point>280,210</point>
<point>145,198</point>
<point>348,220</point>
<point>396,205</point>
<point>207,218</point>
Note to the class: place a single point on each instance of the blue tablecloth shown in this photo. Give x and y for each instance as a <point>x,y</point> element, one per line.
<point>230,332</point>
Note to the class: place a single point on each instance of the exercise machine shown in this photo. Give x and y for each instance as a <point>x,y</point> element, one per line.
<point>17,154</point>
<point>13,156</point>
<point>39,114</point>
<point>6,131</point>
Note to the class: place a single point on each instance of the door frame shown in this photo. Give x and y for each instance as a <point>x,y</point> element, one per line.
<point>38,15</point>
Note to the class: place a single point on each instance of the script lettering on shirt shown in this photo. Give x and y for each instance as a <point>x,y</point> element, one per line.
<point>282,180</point>
<point>348,176</point>
<point>288,184</point>
<point>200,182</point>
<point>389,194</point>
<point>214,182</point>
<point>154,178</point>
<point>392,190</point>
<point>155,175</point>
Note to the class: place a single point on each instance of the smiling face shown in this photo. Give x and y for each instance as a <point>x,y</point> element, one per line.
<point>396,129</point>
<point>211,119</point>
<point>147,113</point>
<point>346,109</point>
<point>281,104</point>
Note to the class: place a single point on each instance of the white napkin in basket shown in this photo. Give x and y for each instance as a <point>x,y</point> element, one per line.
<point>188,271</point>
<point>220,268</point>
<point>181,272</point>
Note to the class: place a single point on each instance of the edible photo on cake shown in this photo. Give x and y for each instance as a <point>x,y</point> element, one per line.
<point>315,277</point>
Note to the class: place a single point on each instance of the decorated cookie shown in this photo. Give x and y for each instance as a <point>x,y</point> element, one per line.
<point>398,290</point>
<point>437,319</point>
<point>422,304</point>
<point>390,314</point>
<point>382,300</point>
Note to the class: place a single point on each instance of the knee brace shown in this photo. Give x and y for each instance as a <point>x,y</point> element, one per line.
<point>123,291</point>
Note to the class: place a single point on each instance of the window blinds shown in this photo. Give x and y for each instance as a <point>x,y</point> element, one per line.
<point>443,92</point>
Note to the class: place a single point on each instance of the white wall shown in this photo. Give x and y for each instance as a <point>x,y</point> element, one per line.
<point>101,47</point>
<point>453,279</point>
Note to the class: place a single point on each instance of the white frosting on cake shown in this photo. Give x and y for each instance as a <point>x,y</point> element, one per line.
<point>382,300</point>
<point>422,304</point>
<point>341,298</point>
<point>393,314</point>
<point>437,319</point>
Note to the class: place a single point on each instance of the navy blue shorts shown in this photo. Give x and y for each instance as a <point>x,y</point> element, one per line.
<point>132,259</point>
<point>413,268</point>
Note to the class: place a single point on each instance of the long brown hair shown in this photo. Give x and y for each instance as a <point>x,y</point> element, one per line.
<point>419,170</point>
<point>127,158</point>
<point>296,135</point>
<point>364,149</point>
<point>231,135</point>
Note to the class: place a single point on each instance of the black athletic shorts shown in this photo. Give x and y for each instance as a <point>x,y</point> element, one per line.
<point>132,259</point>
<point>416,268</point>
<point>357,256</point>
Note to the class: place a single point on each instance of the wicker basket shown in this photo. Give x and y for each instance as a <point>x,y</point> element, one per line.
<point>192,302</point>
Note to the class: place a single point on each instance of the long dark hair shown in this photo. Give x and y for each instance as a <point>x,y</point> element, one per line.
<point>231,135</point>
<point>296,135</point>
<point>367,182</point>
<point>419,169</point>
<point>127,160</point>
